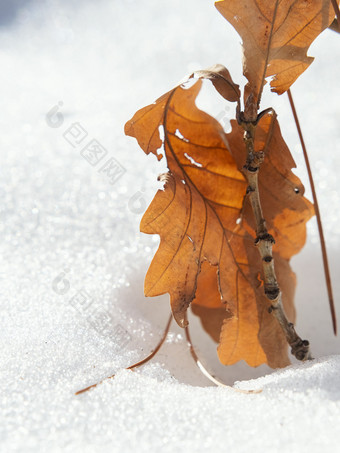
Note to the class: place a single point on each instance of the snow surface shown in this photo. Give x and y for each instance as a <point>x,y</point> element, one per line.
<point>73,261</point>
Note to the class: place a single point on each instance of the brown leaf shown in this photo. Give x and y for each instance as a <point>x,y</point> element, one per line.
<point>276,36</point>
<point>222,81</point>
<point>205,255</point>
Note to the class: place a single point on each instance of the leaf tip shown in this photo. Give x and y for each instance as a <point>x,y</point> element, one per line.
<point>181,318</point>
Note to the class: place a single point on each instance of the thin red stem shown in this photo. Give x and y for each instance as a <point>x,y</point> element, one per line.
<point>141,362</point>
<point>317,213</point>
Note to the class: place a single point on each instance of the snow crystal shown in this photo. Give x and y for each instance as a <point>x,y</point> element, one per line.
<point>73,189</point>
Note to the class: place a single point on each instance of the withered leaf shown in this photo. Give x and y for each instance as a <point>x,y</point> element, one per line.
<point>222,81</point>
<point>184,214</point>
<point>276,36</point>
<point>207,254</point>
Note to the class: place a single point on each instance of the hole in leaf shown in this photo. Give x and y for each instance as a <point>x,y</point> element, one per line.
<point>179,135</point>
<point>192,160</point>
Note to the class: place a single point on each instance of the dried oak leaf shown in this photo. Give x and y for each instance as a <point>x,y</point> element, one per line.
<point>286,212</point>
<point>206,256</point>
<point>276,36</point>
<point>220,77</point>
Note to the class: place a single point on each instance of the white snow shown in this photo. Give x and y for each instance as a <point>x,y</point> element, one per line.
<point>73,261</point>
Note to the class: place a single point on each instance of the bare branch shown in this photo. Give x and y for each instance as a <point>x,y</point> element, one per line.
<point>264,241</point>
